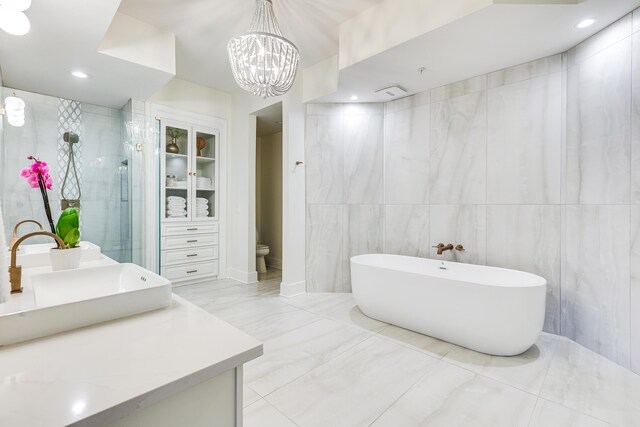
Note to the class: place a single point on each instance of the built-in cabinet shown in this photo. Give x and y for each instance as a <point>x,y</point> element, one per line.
<point>189,201</point>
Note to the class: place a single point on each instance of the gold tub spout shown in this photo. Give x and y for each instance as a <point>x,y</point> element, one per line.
<point>15,271</point>
<point>14,239</point>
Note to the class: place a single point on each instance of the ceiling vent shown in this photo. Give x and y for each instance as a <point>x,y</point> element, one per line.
<point>392,91</point>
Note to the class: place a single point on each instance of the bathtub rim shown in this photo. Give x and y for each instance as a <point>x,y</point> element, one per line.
<point>536,280</point>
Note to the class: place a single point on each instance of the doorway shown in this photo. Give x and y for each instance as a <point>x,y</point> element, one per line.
<point>269,193</point>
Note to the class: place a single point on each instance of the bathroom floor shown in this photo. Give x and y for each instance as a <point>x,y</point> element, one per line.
<point>327,364</point>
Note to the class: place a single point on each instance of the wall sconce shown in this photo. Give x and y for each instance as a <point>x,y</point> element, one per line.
<point>14,110</point>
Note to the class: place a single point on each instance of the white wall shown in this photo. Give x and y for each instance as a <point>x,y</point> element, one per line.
<point>187,96</point>
<point>269,196</point>
<point>242,161</point>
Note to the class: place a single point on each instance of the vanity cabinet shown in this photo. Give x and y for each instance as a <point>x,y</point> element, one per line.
<point>189,201</point>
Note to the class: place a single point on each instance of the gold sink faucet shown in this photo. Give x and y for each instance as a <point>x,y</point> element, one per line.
<point>14,239</point>
<point>15,271</point>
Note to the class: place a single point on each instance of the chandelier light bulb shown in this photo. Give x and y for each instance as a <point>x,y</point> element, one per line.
<point>263,62</point>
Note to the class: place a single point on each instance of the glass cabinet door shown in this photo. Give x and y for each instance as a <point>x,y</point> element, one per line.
<point>175,169</point>
<point>205,173</point>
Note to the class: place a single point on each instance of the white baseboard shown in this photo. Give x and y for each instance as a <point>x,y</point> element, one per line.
<point>273,262</point>
<point>245,277</point>
<point>289,290</point>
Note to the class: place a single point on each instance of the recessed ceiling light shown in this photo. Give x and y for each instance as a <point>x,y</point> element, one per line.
<point>586,23</point>
<point>354,98</point>
<point>80,74</point>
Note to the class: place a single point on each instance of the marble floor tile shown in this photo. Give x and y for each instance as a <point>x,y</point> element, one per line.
<point>348,312</point>
<point>423,343</point>
<point>262,414</point>
<point>452,396</point>
<point>584,381</point>
<point>354,388</point>
<point>525,372</point>
<point>266,318</point>
<point>551,414</point>
<point>291,355</point>
<point>249,396</point>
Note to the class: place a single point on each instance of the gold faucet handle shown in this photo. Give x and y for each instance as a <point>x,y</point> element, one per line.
<point>438,246</point>
<point>460,248</point>
<point>14,239</point>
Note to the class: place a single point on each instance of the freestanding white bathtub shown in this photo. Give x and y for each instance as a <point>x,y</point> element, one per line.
<point>487,309</point>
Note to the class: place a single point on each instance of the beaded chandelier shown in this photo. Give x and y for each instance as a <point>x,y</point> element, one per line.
<point>263,62</point>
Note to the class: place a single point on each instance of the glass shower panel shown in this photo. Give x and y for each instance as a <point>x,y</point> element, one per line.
<point>103,162</point>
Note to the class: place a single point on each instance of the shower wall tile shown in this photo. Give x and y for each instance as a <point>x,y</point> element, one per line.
<point>407,103</point>
<point>459,224</point>
<point>363,160</point>
<point>636,20</point>
<point>600,41</point>
<point>324,248</point>
<point>324,152</point>
<point>595,294</point>
<point>406,154</point>
<point>526,71</point>
<point>524,148</point>
<point>528,238</point>
<point>363,234</point>
<point>407,230</point>
<point>635,289</point>
<point>464,87</point>
<point>458,150</point>
<point>599,128</point>
<point>635,119</point>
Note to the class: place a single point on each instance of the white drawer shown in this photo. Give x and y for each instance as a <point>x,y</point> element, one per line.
<point>186,272</point>
<point>180,229</point>
<point>184,242</point>
<point>182,256</point>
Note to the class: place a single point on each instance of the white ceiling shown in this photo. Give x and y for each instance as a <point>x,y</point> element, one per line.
<point>65,35</point>
<point>494,38</point>
<point>203,28</point>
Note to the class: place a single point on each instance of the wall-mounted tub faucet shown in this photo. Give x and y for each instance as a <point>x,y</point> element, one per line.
<point>442,248</point>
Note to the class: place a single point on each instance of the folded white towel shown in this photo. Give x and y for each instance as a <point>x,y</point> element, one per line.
<point>176,205</point>
<point>176,212</point>
<point>176,198</point>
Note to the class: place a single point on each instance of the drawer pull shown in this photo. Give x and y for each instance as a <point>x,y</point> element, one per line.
<point>191,255</point>
<point>192,241</point>
<point>192,271</point>
<point>192,229</point>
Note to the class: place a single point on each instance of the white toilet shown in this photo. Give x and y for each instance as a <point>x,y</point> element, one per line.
<point>261,252</point>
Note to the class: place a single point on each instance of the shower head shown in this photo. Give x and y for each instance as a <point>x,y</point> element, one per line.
<point>71,137</point>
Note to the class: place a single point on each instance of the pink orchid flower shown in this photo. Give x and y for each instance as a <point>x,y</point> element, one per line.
<point>38,170</point>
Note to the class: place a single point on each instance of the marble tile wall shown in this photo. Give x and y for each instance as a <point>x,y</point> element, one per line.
<point>102,153</point>
<point>535,167</point>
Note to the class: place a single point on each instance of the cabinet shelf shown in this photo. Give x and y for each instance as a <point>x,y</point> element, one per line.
<point>176,156</point>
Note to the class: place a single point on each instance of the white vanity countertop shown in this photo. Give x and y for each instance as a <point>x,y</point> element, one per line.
<point>98,374</point>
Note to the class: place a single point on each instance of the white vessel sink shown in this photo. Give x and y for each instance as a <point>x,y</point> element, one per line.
<point>73,299</point>
<point>38,255</point>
